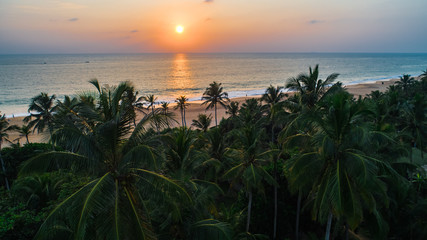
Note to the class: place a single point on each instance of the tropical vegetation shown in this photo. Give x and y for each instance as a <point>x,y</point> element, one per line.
<point>317,164</point>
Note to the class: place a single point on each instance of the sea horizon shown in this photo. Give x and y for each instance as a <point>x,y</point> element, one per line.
<point>213,52</point>
<point>169,75</point>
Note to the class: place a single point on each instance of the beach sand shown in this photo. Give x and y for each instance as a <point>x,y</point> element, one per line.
<point>364,89</point>
<point>195,108</point>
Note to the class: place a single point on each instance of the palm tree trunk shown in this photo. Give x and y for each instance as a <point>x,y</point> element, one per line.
<point>328,226</point>
<point>298,214</point>
<point>182,117</point>
<point>185,120</point>
<point>4,171</point>
<point>216,121</point>
<point>249,211</point>
<point>26,136</point>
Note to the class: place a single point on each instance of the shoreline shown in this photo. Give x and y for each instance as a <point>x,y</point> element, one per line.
<point>195,108</point>
<point>257,92</point>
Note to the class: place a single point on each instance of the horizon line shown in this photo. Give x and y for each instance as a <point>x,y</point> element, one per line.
<point>256,52</point>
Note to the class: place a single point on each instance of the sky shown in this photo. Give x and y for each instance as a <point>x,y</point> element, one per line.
<point>137,26</point>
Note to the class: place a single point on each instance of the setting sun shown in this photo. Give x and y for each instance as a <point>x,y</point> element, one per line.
<point>179,29</point>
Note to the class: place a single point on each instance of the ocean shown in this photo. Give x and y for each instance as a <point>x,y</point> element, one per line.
<point>168,76</point>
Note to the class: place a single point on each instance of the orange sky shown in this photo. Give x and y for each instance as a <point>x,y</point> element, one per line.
<point>78,26</point>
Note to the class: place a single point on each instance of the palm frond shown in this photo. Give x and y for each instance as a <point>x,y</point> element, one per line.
<point>137,157</point>
<point>95,202</point>
<point>54,160</point>
<point>58,223</point>
<point>153,182</point>
<point>211,229</point>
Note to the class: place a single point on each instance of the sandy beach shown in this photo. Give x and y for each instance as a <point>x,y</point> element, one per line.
<point>196,108</point>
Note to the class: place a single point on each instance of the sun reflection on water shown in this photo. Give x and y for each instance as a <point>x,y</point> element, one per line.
<point>180,77</point>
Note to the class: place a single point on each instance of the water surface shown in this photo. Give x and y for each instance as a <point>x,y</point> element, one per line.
<point>171,75</point>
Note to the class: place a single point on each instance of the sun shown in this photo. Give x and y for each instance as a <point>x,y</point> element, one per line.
<point>179,29</point>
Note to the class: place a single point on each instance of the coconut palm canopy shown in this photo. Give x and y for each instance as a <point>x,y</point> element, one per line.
<point>124,163</point>
<point>309,87</point>
<point>213,96</point>
<point>341,166</point>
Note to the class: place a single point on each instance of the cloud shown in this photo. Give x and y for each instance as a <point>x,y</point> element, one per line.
<point>208,19</point>
<point>208,1</point>
<point>73,19</point>
<point>134,31</point>
<point>314,21</point>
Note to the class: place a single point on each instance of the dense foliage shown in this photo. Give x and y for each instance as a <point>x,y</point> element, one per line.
<point>317,164</point>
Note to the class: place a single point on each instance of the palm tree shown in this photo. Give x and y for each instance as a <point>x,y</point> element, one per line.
<point>190,166</point>
<point>110,103</point>
<point>150,100</point>
<point>405,83</point>
<point>169,116</point>
<point>182,104</point>
<point>180,153</point>
<point>310,91</point>
<point>296,134</point>
<point>232,109</point>
<point>42,109</point>
<point>214,95</point>
<point>203,122</point>
<point>378,105</point>
<point>344,174</point>
<point>131,97</point>
<point>423,75</point>
<point>67,105</point>
<point>87,98</point>
<point>252,113</point>
<point>218,150</point>
<point>183,160</point>
<point>4,128</point>
<point>273,97</point>
<point>309,87</point>
<point>165,107</point>
<point>414,121</point>
<point>25,130</point>
<point>122,164</point>
<point>291,138</point>
<point>249,169</point>
<point>112,100</point>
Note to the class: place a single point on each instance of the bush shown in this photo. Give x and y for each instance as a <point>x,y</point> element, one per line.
<point>13,157</point>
